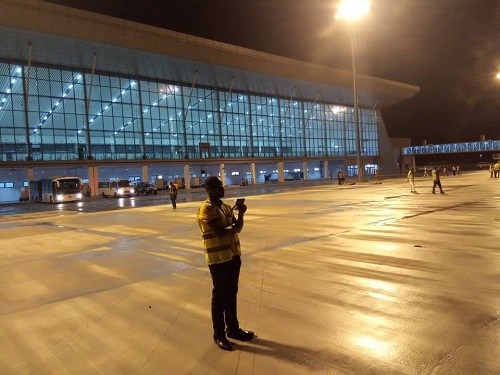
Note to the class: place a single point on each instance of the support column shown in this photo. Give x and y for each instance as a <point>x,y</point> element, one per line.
<point>187,177</point>
<point>304,169</point>
<point>93,175</point>
<point>141,125</point>
<point>222,171</point>
<point>30,174</point>
<point>281,173</point>
<point>145,173</point>
<point>326,172</point>
<point>26,82</point>
<point>254,175</point>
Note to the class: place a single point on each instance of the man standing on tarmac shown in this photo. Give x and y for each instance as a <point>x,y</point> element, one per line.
<point>173,194</point>
<point>436,180</point>
<point>411,180</point>
<point>219,228</point>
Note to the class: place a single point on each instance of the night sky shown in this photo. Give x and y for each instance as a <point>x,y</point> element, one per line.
<point>450,48</point>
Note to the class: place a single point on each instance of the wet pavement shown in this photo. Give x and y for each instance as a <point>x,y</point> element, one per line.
<point>99,204</point>
<point>355,279</point>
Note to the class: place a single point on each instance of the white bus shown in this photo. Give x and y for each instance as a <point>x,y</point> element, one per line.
<point>56,189</point>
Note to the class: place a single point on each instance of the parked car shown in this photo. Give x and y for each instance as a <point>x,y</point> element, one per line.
<point>161,184</point>
<point>483,165</point>
<point>145,188</point>
<point>181,184</point>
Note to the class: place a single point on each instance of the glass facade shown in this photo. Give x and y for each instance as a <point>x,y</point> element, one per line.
<point>53,113</point>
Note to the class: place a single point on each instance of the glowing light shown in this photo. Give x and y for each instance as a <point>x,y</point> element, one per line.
<point>377,346</point>
<point>382,296</point>
<point>337,109</point>
<point>352,10</point>
<point>380,285</point>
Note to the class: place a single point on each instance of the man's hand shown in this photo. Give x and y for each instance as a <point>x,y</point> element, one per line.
<point>241,209</point>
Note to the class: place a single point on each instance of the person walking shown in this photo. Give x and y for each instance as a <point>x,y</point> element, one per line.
<point>219,229</point>
<point>173,194</point>
<point>496,169</point>
<point>436,180</point>
<point>411,180</point>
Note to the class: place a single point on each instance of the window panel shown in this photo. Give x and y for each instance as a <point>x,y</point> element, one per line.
<point>123,112</point>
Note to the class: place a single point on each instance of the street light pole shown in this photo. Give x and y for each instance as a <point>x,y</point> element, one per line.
<point>352,11</point>
<point>357,124</point>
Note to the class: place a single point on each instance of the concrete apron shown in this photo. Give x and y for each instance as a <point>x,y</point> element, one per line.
<point>355,279</point>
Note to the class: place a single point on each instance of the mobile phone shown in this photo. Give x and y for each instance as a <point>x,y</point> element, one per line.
<point>239,202</point>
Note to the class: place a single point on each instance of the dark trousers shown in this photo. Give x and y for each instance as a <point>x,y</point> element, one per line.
<point>437,183</point>
<point>224,306</point>
<point>173,198</point>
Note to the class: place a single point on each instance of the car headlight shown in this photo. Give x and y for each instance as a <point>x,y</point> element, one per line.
<point>79,196</point>
<point>59,197</point>
<point>132,190</point>
<point>120,191</point>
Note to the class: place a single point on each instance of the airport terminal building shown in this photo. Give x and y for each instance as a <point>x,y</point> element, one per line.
<point>101,98</point>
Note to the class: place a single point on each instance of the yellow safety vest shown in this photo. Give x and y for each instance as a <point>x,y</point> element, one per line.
<point>218,249</point>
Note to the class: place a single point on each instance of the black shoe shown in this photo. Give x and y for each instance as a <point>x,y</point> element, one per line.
<point>241,335</point>
<point>224,343</point>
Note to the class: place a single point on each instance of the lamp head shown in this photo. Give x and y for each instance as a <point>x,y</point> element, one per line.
<point>352,10</point>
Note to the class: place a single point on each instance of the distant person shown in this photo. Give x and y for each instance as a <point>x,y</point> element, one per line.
<point>173,194</point>
<point>219,229</point>
<point>411,180</point>
<point>436,181</point>
<point>454,170</point>
<point>458,170</point>
<point>425,172</point>
<point>492,170</point>
<point>496,169</point>
<point>341,178</point>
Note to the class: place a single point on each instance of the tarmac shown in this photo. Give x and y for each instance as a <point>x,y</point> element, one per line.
<point>354,279</point>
